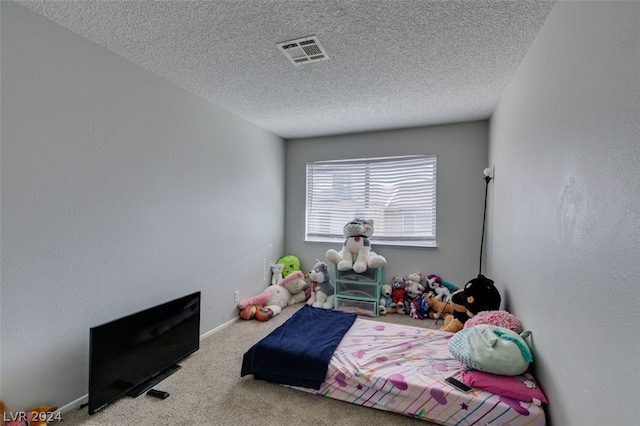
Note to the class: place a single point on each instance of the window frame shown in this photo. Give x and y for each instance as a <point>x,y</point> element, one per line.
<point>429,175</point>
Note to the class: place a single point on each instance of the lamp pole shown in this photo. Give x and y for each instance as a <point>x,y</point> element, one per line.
<point>487,179</point>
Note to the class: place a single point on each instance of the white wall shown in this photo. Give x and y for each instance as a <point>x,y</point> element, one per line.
<point>462,154</point>
<point>565,215</point>
<point>119,191</point>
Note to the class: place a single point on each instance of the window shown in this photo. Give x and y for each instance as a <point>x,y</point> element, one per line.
<point>398,193</point>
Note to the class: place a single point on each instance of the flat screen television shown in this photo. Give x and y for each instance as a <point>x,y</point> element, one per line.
<point>130,355</point>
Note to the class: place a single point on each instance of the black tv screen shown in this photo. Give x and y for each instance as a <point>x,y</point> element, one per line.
<point>130,355</point>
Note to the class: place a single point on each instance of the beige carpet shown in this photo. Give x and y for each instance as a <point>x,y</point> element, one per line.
<point>208,390</point>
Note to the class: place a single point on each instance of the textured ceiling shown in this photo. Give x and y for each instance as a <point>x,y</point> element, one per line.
<point>393,63</point>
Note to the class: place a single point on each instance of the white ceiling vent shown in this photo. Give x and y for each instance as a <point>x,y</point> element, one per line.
<point>303,50</point>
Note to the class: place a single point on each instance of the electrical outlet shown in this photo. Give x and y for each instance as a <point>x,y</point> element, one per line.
<point>236,296</point>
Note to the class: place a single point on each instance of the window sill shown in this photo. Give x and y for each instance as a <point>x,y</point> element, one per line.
<point>378,243</point>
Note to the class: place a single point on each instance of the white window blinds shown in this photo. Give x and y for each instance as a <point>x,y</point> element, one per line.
<point>398,193</point>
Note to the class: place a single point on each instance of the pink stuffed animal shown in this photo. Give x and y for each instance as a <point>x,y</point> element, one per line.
<point>270,302</point>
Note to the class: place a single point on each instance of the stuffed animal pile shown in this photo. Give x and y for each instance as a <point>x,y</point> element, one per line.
<point>356,250</point>
<point>321,288</point>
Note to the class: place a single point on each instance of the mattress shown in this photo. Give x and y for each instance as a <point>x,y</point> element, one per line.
<point>402,369</point>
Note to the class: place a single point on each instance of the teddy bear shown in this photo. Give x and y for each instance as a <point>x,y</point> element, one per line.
<point>387,305</point>
<point>39,415</point>
<point>398,285</point>
<point>322,291</point>
<point>274,298</point>
<point>478,295</point>
<point>276,272</point>
<point>356,250</point>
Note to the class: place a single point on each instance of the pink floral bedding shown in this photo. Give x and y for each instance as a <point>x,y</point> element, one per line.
<point>402,369</point>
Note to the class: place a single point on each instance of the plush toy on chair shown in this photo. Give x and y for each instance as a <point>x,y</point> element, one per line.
<point>270,302</point>
<point>478,295</point>
<point>356,251</point>
<point>321,287</point>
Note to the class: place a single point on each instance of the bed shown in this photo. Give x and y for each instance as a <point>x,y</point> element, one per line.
<point>379,365</point>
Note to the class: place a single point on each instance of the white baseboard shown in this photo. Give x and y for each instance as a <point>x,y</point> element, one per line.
<point>218,328</point>
<point>74,405</point>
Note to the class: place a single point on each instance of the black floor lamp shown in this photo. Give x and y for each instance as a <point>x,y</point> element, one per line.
<point>488,175</point>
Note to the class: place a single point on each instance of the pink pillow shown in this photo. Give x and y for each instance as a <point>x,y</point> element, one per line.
<point>522,387</point>
<point>497,318</point>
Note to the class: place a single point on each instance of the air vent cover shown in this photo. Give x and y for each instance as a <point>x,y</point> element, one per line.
<point>303,50</point>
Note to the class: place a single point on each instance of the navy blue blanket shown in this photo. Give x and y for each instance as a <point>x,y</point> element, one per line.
<point>298,352</point>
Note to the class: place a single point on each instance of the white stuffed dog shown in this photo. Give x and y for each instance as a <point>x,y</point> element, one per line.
<point>356,251</point>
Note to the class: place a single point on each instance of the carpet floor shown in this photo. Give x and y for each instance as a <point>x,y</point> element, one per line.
<point>208,390</point>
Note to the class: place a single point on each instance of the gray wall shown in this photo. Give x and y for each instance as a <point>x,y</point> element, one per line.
<point>119,191</point>
<point>565,225</point>
<point>116,196</point>
<point>462,154</point>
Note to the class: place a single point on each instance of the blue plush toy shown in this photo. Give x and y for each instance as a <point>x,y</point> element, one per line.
<point>418,308</point>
